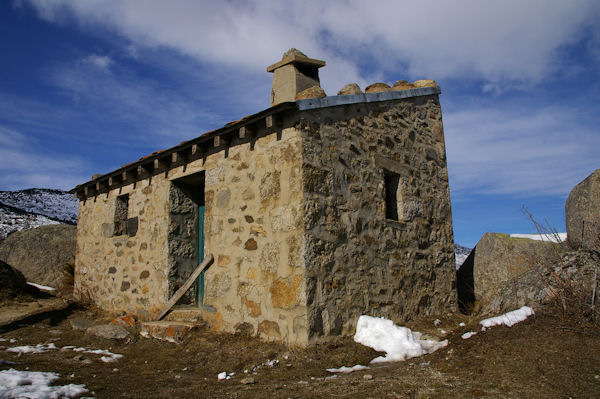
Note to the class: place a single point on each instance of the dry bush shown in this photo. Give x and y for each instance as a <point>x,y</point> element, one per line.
<point>570,276</point>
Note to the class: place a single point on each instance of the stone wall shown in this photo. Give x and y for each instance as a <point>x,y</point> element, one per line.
<point>116,271</point>
<point>253,228</point>
<point>357,260</point>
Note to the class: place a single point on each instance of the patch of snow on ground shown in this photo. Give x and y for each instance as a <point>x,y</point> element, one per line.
<point>399,343</point>
<point>468,335</point>
<point>41,287</point>
<point>224,375</point>
<point>346,370</point>
<point>39,348</point>
<point>508,319</point>
<point>558,237</point>
<point>35,384</point>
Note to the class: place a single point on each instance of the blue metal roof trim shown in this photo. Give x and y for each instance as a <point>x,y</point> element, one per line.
<point>332,101</point>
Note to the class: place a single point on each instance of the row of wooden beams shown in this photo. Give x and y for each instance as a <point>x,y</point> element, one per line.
<point>147,169</point>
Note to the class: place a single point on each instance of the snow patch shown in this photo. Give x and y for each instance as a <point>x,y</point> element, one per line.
<point>224,375</point>
<point>40,348</point>
<point>346,370</point>
<point>508,319</point>
<point>558,237</point>
<point>468,335</point>
<point>41,287</point>
<point>399,343</point>
<point>35,384</point>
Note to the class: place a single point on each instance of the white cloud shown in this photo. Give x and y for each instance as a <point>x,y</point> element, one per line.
<point>519,152</point>
<point>153,112</point>
<point>24,163</point>
<point>512,39</point>
<point>101,62</point>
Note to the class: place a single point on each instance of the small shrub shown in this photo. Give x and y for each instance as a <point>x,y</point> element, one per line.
<point>570,277</point>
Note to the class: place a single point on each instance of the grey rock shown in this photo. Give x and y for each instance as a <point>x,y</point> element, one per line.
<point>108,331</point>
<point>80,323</point>
<point>497,259</point>
<point>13,284</point>
<point>350,88</point>
<point>582,212</point>
<point>311,92</point>
<point>572,274</point>
<point>41,254</point>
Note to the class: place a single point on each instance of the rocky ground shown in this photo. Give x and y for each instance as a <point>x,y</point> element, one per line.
<point>542,357</point>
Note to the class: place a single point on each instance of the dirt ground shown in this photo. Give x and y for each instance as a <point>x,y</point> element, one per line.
<point>542,357</point>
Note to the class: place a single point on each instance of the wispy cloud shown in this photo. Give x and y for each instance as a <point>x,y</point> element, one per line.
<point>151,111</point>
<point>101,62</point>
<point>519,152</point>
<point>26,163</point>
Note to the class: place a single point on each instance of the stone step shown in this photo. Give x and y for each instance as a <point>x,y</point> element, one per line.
<point>165,330</point>
<point>189,314</point>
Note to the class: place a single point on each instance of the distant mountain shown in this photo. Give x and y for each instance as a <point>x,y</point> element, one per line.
<point>461,253</point>
<point>26,209</point>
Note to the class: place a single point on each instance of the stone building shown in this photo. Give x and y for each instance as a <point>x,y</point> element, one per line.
<point>316,211</point>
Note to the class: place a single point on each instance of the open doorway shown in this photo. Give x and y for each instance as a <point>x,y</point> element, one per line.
<point>186,236</point>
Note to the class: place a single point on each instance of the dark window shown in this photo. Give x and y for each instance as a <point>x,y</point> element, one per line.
<point>121,210</point>
<point>391,194</point>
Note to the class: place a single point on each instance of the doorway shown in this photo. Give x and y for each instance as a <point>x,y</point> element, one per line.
<point>186,236</point>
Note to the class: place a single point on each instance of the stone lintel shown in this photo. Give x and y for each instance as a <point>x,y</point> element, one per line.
<point>332,101</point>
<point>392,166</point>
<point>296,59</point>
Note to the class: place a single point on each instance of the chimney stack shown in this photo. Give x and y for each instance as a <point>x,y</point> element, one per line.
<point>293,74</point>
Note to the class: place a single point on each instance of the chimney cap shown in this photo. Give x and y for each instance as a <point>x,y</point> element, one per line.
<point>295,56</point>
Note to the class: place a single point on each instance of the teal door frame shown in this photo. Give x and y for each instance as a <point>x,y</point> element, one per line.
<point>200,290</point>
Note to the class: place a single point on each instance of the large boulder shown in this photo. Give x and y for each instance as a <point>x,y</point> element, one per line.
<point>582,212</point>
<point>41,254</point>
<point>497,259</point>
<point>13,284</point>
<point>567,281</point>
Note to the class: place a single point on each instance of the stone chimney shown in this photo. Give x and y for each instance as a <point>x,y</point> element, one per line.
<point>294,73</point>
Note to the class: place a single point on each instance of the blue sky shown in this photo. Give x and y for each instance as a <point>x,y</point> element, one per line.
<point>87,86</point>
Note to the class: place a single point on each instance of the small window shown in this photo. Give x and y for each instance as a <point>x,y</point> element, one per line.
<point>121,211</point>
<point>391,181</point>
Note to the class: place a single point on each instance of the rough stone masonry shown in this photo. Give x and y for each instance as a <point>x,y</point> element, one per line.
<point>316,211</point>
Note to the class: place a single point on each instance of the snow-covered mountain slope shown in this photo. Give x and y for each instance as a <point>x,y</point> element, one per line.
<point>27,209</point>
<point>54,204</point>
<point>13,219</point>
<point>461,253</point>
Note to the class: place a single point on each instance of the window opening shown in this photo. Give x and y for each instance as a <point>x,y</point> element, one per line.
<point>121,211</point>
<point>391,181</point>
